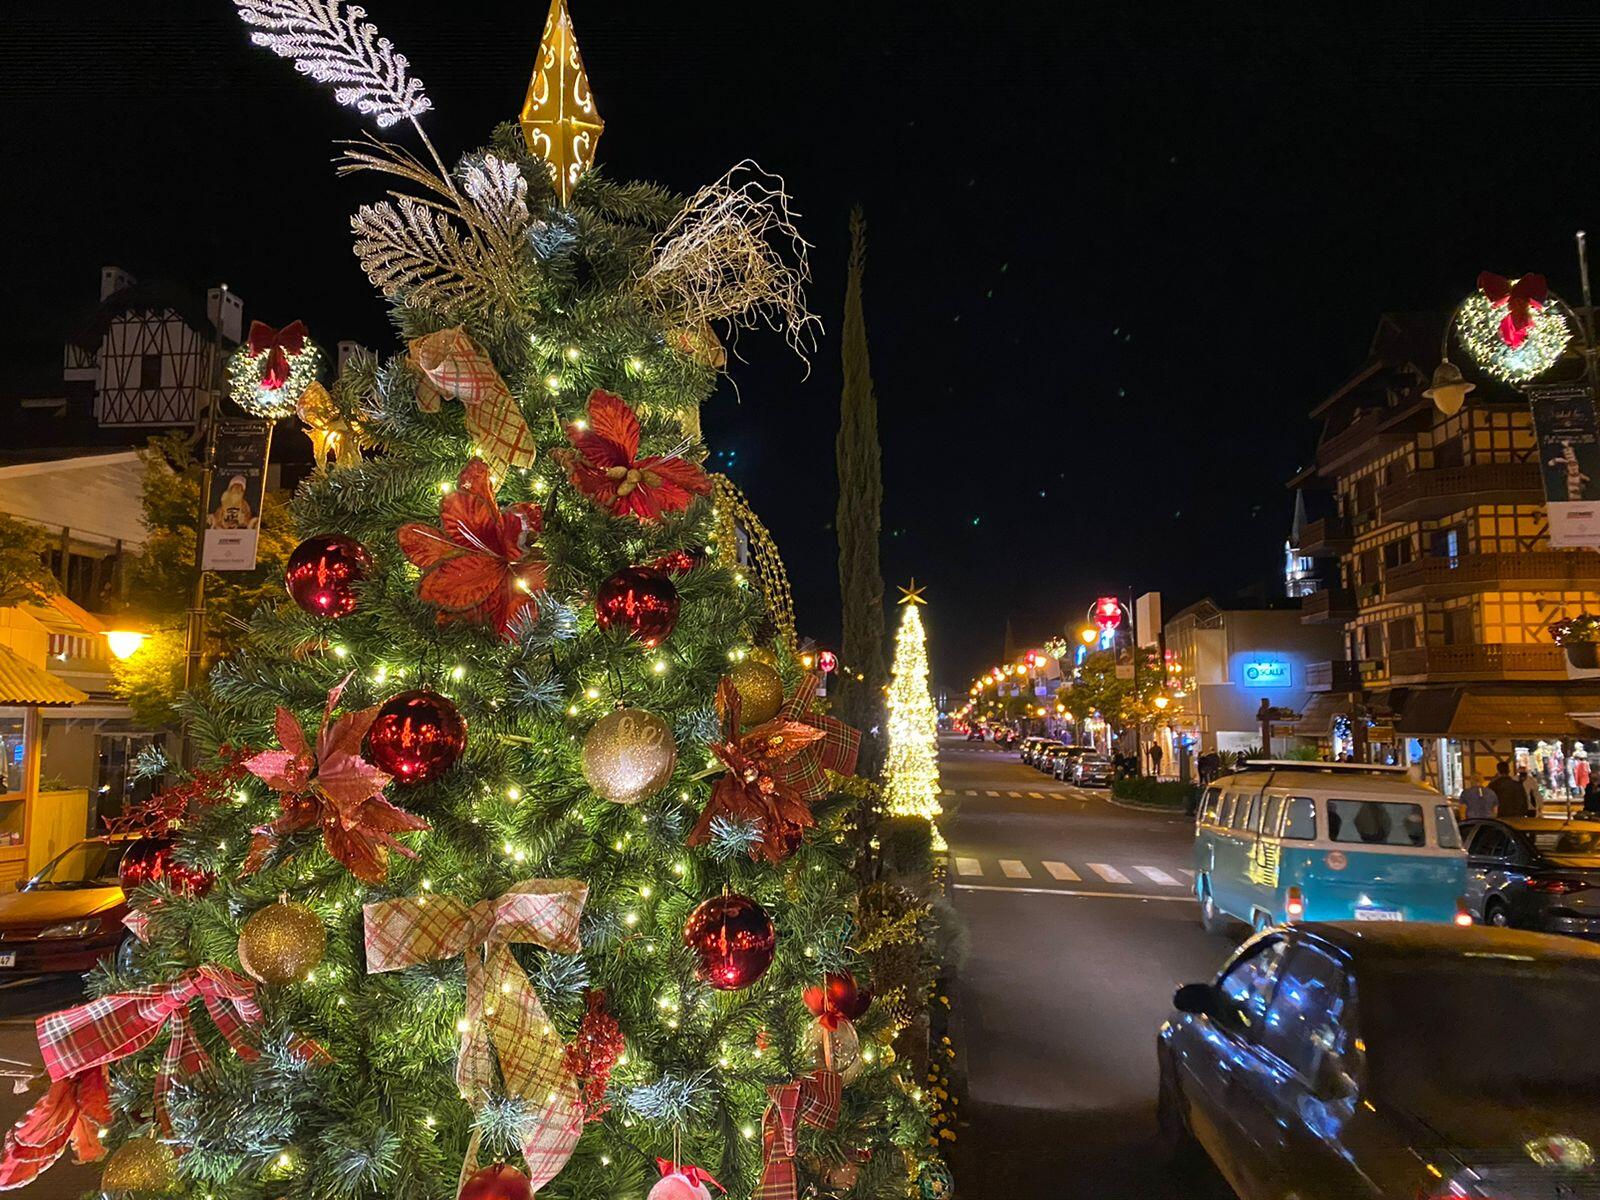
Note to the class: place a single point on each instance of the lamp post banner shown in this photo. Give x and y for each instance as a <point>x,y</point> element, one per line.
<point>1567,436</point>
<point>233,508</point>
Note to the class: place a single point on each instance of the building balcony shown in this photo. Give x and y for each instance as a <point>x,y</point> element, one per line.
<point>1481,661</point>
<point>1545,570</point>
<point>1439,491</point>
<point>1342,675</point>
<point>1327,606</point>
<point>1327,538</point>
<point>1363,439</point>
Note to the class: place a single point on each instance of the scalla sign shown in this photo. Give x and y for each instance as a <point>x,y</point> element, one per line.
<point>1273,672</point>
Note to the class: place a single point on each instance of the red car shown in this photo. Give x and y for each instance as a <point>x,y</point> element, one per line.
<point>68,916</point>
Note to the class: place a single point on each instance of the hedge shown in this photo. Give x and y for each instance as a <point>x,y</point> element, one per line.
<point>1162,793</point>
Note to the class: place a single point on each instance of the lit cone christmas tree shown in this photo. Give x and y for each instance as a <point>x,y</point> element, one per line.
<point>911,771</point>
<point>446,937</point>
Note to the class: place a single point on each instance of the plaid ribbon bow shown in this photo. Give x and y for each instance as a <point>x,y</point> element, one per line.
<point>813,1099</point>
<point>504,1018</point>
<point>456,366</point>
<point>836,751</point>
<point>111,1028</point>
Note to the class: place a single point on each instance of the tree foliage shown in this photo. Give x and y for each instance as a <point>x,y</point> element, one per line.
<point>24,577</point>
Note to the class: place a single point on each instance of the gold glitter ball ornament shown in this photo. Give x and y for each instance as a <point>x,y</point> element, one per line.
<point>760,692</point>
<point>281,943</point>
<point>764,656</point>
<point>846,1049</point>
<point>143,1165</point>
<point>628,755</point>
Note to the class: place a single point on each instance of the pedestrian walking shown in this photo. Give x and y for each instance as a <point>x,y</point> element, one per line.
<point>1511,799</point>
<point>1530,785</point>
<point>1209,764</point>
<point>1591,797</point>
<point>1478,800</point>
<point>1155,759</point>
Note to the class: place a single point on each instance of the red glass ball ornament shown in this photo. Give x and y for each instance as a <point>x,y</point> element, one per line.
<point>733,939</point>
<point>416,736</point>
<point>498,1182</point>
<point>322,574</point>
<point>641,600</point>
<point>677,562</point>
<point>151,860</point>
<point>839,998</point>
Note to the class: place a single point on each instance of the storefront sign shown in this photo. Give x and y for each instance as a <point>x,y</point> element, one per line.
<point>1568,441</point>
<point>1269,672</point>
<point>233,509</point>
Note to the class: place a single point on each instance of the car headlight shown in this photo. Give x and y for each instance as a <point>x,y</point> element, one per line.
<point>71,929</point>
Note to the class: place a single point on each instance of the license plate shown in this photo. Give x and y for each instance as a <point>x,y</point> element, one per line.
<point>8,958</point>
<point>1379,914</point>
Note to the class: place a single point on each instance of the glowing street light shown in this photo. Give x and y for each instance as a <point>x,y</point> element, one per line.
<point>125,643</point>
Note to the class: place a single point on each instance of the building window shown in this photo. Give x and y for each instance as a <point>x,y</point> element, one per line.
<point>1402,634</point>
<point>1372,642</point>
<point>1397,553</point>
<point>1366,497</point>
<point>1448,543</point>
<point>149,371</point>
<point>1369,568</point>
<point>1458,627</point>
<point>1449,453</point>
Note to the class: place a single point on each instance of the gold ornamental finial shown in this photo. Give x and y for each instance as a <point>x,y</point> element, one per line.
<point>559,120</point>
<point>913,593</point>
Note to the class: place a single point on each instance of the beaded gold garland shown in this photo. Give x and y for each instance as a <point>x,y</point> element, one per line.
<point>733,513</point>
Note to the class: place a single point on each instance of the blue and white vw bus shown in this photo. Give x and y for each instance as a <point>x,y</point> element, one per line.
<point>1311,841</point>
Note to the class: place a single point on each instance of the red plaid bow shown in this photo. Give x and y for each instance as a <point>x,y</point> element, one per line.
<point>1521,298</point>
<point>103,1031</point>
<point>277,345</point>
<point>813,1099</point>
<point>757,785</point>
<point>504,1018</point>
<point>73,1110</point>
<point>836,751</point>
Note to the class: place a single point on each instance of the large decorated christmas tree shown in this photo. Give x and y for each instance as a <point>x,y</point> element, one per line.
<point>516,853</point>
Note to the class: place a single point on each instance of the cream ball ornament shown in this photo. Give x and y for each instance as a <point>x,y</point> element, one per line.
<point>629,755</point>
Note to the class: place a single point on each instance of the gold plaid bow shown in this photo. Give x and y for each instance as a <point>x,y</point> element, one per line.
<point>504,1018</point>
<point>454,365</point>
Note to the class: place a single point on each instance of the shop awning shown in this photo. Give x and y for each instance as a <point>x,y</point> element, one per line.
<point>22,683</point>
<point>1489,713</point>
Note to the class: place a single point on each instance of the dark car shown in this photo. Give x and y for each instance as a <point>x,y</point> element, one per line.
<point>1065,762</point>
<point>1534,873</point>
<point>1093,770</point>
<point>69,914</point>
<point>1366,1059</point>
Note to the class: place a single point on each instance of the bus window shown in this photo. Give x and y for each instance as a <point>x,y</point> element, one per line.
<point>1244,812</point>
<point>1300,819</point>
<point>1211,807</point>
<point>1228,803</point>
<point>1269,823</point>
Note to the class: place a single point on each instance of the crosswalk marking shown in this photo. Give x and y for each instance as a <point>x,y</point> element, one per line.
<point>1036,795</point>
<point>969,792</point>
<point>1157,875</point>
<point>991,793</point>
<point>1015,795</point>
<point>968,866</point>
<point>1109,873</point>
<point>1012,868</point>
<point>1060,870</point>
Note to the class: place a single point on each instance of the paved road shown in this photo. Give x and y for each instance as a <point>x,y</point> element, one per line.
<point>1081,925</point>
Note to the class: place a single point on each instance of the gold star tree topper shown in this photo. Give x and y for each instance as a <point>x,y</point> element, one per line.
<point>559,120</point>
<point>913,593</point>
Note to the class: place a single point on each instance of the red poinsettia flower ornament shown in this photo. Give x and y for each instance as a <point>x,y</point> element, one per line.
<point>483,562</point>
<point>331,785</point>
<point>604,464</point>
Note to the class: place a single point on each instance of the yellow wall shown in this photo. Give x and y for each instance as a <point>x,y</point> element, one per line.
<point>55,821</point>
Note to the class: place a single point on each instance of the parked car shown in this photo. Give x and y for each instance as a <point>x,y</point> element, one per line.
<point>1534,873</point>
<point>69,915</point>
<point>1093,770</point>
<point>1029,746</point>
<point>1045,759</point>
<point>1289,841</point>
<point>1066,761</point>
<point>1331,1061</point>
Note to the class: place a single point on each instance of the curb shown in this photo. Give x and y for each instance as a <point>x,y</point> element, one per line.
<point>1134,806</point>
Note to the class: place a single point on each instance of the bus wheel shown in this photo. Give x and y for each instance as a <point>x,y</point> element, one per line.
<point>1211,918</point>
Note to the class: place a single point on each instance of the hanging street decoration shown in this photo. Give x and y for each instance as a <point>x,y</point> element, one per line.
<point>453,365</point>
<point>270,371</point>
<point>604,464</point>
<point>482,563</point>
<point>330,785</point>
<point>559,119</point>
<point>1511,328</point>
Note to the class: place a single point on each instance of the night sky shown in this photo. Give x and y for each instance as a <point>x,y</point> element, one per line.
<point>1117,251</point>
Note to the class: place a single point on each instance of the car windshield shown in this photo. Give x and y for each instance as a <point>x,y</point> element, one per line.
<point>1376,822</point>
<point>86,865</point>
<point>1566,841</point>
<point>1437,1028</point>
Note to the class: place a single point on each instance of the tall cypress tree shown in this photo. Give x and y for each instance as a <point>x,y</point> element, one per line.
<point>860,520</point>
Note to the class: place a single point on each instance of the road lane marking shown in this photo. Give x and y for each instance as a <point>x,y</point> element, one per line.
<point>1036,795</point>
<point>1109,873</point>
<point>1015,795</point>
<point>1012,868</point>
<point>991,793</point>
<point>1060,870</point>
<point>969,792</point>
<point>968,866</point>
<point>1157,875</point>
<point>1050,891</point>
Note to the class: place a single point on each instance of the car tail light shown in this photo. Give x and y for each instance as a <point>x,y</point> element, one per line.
<point>1558,885</point>
<point>1463,915</point>
<point>1295,905</point>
